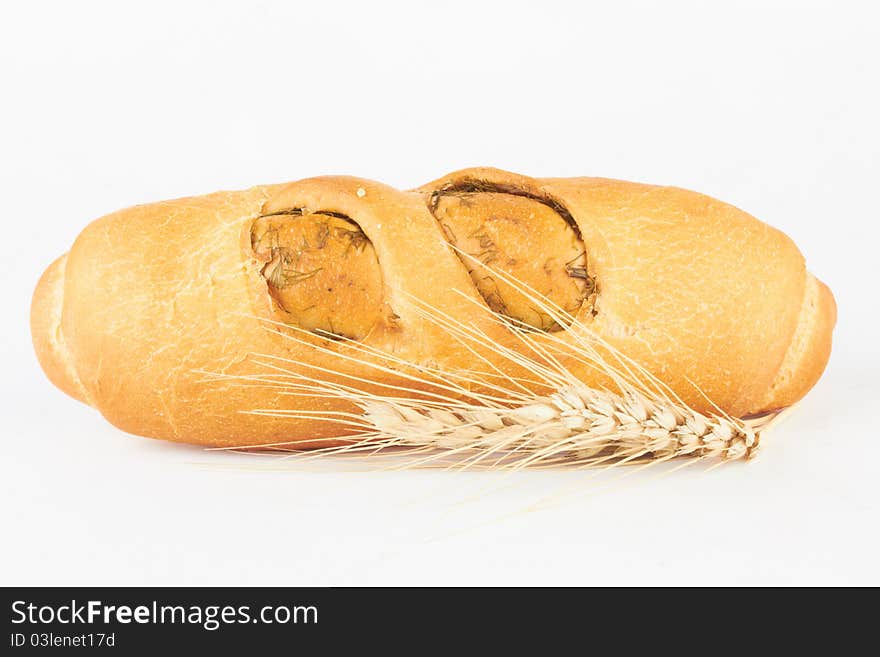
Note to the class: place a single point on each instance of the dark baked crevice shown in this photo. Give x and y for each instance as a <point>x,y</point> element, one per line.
<point>505,228</point>
<point>321,271</point>
<point>470,185</point>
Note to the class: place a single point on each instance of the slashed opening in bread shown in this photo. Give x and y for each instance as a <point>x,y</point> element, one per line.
<point>531,239</point>
<point>321,271</point>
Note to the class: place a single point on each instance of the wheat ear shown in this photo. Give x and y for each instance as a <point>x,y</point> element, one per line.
<point>577,424</point>
<point>442,419</point>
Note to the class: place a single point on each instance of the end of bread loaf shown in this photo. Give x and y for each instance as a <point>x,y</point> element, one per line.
<point>46,332</point>
<point>809,350</point>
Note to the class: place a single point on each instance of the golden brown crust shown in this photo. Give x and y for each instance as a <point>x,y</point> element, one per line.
<point>809,348</point>
<point>48,339</point>
<point>153,297</point>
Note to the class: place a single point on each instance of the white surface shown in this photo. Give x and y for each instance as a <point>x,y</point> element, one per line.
<point>773,107</point>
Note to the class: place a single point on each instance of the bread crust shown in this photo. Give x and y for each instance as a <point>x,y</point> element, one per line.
<point>49,343</point>
<point>809,349</point>
<point>153,297</point>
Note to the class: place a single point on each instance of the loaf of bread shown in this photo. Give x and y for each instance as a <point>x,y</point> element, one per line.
<point>712,301</point>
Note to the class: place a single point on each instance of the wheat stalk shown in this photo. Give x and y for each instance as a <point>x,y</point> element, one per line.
<point>575,426</point>
<point>491,419</point>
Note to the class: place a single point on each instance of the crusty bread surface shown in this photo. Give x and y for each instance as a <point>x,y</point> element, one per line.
<point>152,303</point>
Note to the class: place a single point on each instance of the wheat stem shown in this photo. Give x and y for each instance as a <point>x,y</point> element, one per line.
<point>497,420</point>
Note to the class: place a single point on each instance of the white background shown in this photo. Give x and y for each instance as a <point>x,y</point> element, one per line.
<point>771,106</point>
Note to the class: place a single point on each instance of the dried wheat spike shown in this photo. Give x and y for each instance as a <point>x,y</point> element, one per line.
<point>638,420</point>
<point>576,424</point>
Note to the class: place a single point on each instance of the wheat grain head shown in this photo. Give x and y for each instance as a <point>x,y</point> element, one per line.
<point>491,419</point>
